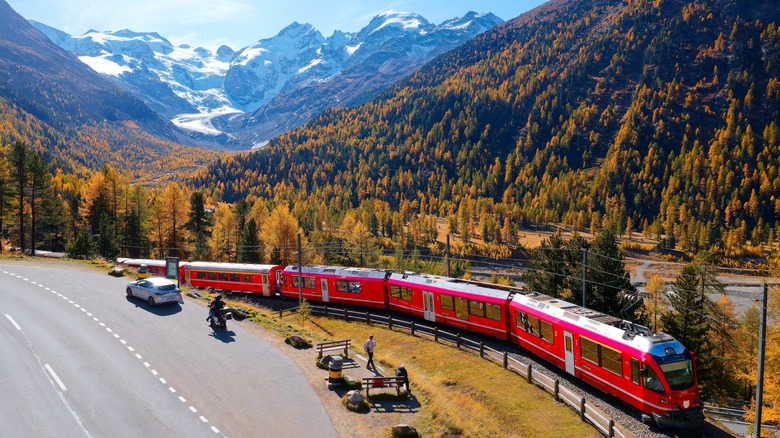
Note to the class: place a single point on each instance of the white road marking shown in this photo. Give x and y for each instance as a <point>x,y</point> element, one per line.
<point>194,411</point>
<point>138,356</point>
<point>13,322</point>
<point>214,429</point>
<point>203,419</point>
<point>170,388</point>
<point>163,381</point>
<point>182,399</point>
<point>55,377</point>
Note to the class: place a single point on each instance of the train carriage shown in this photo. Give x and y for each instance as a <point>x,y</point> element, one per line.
<point>232,277</point>
<point>339,285</point>
<point>652,372</point>
<point>461,304</point>
<point>156,267</point>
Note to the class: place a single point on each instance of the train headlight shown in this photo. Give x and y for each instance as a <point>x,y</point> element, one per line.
<point>686,404</point>
<point>664,402</point>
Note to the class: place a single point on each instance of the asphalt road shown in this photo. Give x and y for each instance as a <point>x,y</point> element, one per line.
<point>78,358</point>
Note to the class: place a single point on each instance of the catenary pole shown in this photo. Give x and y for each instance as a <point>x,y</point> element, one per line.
<point>760,372</point>
<point>300,274</point>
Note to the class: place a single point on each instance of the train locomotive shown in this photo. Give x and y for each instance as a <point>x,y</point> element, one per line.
<point>652,372</point>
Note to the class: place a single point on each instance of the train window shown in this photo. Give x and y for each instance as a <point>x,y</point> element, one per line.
<point>477,308</point>
<point>212,275</point>
<point>200,275</point>
<point>235,277</point>
<point>651,380</point>
<point>355,287</point>
<point>493,311</point>
<point>546,331</point>
<point>246,278</point>
<point>461,308</point>
<point>265,278</point>
<point>635,371</point>
<point>223,276</point>
<point>533,325</point>
<point>402,293</point>
<point>447,302</point>
<point>342,285</point>
<point>611,360</point>
<point>589,350</point>
<point>310,282</point>
<point>521,320</point>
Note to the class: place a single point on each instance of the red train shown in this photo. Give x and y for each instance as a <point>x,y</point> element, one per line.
<point>652,372</point>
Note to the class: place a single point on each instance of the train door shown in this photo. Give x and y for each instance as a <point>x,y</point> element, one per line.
<point>429,310</point>
<point>324,284</point>
<point>568,352</point>
<point>265,286</point>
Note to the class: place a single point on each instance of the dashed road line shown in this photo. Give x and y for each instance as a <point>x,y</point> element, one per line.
<point>59,382</point>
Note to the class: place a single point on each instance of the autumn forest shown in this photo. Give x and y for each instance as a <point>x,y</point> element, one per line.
<point>607,118</point>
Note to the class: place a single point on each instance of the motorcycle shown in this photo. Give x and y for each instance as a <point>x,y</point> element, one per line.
<point>220,318</point>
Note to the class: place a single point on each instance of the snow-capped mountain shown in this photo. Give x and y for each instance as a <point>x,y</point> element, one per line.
<point>269,80</point>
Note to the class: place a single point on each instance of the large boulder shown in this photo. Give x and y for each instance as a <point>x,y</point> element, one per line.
<point>117,271</point>
<point>404,431</point>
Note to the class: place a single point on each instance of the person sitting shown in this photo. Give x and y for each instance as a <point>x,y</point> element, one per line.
<point>401,372</point>
<point>215,306</point>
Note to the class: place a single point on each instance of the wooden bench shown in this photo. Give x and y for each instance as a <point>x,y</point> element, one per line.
<point>384,382</point>
<point>343,344</point>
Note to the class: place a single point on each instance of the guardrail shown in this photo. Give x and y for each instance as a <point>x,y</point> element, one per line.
<point>588,413</point>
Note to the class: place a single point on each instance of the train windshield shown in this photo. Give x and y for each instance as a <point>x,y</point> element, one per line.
<point>677,370</point>
<point>678,374</point>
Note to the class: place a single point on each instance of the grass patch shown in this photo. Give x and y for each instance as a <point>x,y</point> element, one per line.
<point>459,393</point>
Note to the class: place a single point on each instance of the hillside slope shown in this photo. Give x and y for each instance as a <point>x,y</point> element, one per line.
<point>52,100</point>
<point>660,116</point>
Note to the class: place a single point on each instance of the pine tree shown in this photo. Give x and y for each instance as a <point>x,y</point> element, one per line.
<point>200,224</point>
<point>40,182</point>
<point>690,317</point>
<point>609,287</point>
<point>19,157</point>
<point>548,268</point>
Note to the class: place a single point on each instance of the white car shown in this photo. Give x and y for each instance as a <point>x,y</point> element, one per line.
<point>155,290</point>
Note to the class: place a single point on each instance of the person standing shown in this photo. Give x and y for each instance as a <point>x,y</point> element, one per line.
<point>369,347</point>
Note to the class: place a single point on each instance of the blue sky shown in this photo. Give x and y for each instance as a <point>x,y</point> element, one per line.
<point>238,23</point>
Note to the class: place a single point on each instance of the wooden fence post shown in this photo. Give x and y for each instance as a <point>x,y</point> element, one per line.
<point>390,322</point>
<point>481,350</point>
<point>368,318</point>
<point>557,384</point>
<point>436,334</point>
<point>326,310</point>
<point>412,327</point>
<point>457,342</point>
<point>506,359</point>
<point>530,372</point>
<point>346,314</point>
<point>582,409</point>
<point>611,427</point>
<point>280,314</point>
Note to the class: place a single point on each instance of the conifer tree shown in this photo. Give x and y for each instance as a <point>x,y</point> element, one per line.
<point>200,224</point>
<point>609,287</point>
<point>690,318</point>
<point>19,157</point>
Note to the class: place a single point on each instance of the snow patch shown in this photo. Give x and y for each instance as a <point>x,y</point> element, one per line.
<point>249,54</point>
<point>310,65</point>
<point>102,65</point>
<point>260,145</point>
<point>201,122</point>
<point>352,49</point>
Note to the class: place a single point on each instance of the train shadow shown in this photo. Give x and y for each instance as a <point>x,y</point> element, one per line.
<point>167,309</point>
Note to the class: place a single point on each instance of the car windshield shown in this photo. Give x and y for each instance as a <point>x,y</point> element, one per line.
<point>678,374</point>
<point>166,287</point>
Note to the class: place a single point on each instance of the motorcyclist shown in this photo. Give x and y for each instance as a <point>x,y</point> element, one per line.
<point>215,306</point>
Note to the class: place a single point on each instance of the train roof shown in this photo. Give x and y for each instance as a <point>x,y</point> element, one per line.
<point>452,284</point>
<point>244,267</point>
<point>339,271</point>
<point>614,328</point>
<point>147,262</point>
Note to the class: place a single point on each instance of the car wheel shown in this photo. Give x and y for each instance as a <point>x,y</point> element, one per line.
<point>129,292</point>
<point>150,301</point>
